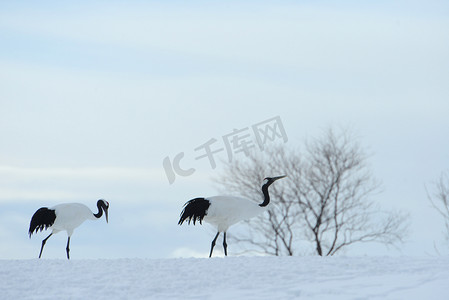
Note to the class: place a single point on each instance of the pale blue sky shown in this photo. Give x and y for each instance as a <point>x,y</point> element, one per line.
<point>95,95</point>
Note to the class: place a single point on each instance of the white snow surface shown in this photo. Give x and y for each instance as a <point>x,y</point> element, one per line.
<point>227,278</point>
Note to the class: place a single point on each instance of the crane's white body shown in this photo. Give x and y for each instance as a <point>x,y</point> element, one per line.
<point>64,217</point>
<point>69,216</point>
<point>225,211</point>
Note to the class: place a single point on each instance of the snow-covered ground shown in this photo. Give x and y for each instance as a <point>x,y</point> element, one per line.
<point>227,278</point>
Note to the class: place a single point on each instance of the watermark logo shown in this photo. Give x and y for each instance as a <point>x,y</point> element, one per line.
<point>238,141</point>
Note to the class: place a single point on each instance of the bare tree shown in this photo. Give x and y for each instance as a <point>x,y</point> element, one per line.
<point>335,194</point>
<point>440,199</point>
<point>326,199</point>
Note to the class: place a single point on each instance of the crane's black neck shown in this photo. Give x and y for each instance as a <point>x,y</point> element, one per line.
<point>266,195</point>
<point>100,206</point>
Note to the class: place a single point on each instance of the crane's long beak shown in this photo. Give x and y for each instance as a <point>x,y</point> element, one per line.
<point>106,215</point>
<point>279,177</point>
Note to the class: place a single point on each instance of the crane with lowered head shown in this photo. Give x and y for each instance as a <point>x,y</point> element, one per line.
<point>66,216</point>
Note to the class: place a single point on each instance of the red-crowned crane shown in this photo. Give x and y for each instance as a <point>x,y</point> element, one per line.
<point>224,211</point>
<point>66,216</point>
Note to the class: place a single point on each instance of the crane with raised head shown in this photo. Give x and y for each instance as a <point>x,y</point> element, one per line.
<point>224,211</point>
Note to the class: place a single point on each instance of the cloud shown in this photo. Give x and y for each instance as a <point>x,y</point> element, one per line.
<point>58,184</point>
<point>88,173</point>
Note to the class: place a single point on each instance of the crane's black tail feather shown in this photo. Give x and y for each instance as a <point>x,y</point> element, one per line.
<point>194,209</point>
<point>42,219</point>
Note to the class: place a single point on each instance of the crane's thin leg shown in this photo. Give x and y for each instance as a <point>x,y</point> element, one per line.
<point>43,244</point>
<point>225,246</point>
<point>213,244</point>
<point>68,249</point>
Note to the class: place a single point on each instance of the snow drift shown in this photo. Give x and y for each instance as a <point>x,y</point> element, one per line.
<point>227,278</point>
